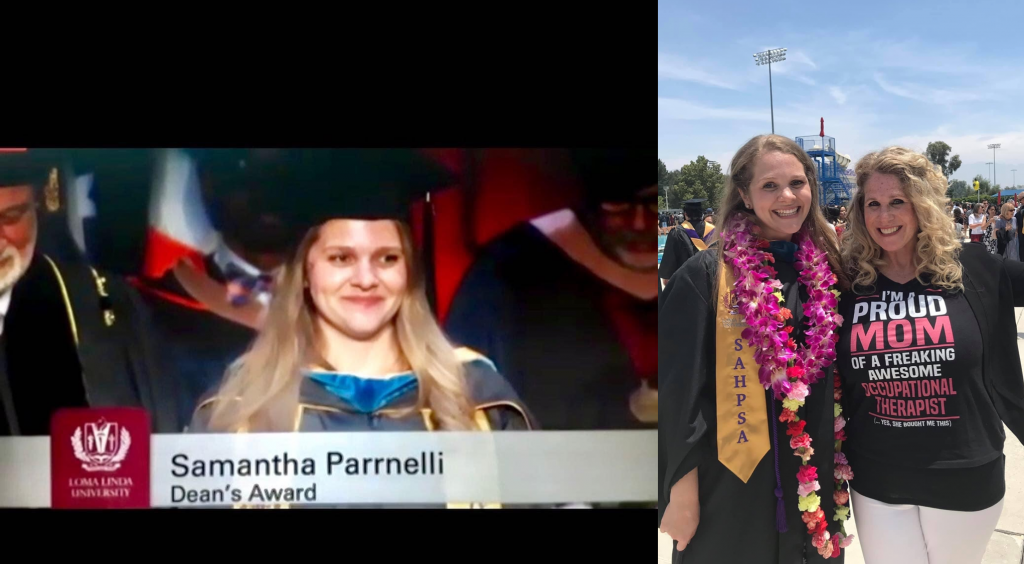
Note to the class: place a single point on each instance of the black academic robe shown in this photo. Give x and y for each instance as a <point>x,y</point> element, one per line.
<point>678,249</point>
<point>737,520</point>
<point>1019,215</point>
<point>198,345</point>
<point>75,337</point>
<point>574,347</point>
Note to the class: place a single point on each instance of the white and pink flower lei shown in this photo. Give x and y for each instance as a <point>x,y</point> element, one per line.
<point>788,368</point>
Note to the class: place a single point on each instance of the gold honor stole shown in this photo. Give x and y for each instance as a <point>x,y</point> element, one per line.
<point>701,245</point>
<point>740,398</point>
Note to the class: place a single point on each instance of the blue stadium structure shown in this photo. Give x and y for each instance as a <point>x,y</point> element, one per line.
<point>834,180</point>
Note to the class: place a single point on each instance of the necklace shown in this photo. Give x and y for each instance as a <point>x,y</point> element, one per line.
<point>790,369</point>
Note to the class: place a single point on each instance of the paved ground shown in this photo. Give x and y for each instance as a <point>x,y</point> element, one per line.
<point>1007,543</point>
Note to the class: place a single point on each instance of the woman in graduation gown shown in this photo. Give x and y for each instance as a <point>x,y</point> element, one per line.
<point>749,474</point>
<point>349,342</point>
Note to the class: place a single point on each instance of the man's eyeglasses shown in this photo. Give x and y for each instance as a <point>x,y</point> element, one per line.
<point>627,207</point>
<point>13,215</point>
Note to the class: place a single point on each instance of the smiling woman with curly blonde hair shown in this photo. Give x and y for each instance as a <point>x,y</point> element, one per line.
<point>936,247</point>
<point>927,382</point>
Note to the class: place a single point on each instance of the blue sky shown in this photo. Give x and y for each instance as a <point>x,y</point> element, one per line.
<point>880,73</point>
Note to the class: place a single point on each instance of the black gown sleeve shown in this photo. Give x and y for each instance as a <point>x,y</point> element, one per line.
<point>481,311</point>
<point>508,418</point>
<point>678,248</point>
<point>685,346</point>
<point>157,388</point>
<point>1002,237</point>
<point>1015,271</point>
<point>1006,385</point>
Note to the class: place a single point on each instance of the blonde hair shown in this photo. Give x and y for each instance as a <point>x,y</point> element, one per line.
<point>938,249</point>
<point>264,383</point>
<point>741,174</point>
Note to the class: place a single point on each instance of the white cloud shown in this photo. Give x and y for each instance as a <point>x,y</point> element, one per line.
<point>973,150</point>
<point>677,109</point>
<point>930,94</point>
<point>838,95</point>
<point>676,68</point>
<point>801,58</point>
<point>862,82</point>
<point>802,79</point>
<point>793,68</point>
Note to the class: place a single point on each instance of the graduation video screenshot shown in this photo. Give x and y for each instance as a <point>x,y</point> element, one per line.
<point>304,290</point>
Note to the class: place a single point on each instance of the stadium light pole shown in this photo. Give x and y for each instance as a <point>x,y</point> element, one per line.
<point>767,58</point>
<point>990,183</point>
<point>994,146</point>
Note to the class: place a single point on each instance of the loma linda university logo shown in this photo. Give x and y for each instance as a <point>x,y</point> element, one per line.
<point>105,446</point>
<point>100,458</point>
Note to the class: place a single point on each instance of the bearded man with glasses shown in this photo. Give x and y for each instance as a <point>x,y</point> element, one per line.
<point>70,336</point>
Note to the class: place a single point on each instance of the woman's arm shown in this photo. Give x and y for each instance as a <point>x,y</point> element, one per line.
<point>685,337</point>
<point>683,515</point>
<point>1004,379</point>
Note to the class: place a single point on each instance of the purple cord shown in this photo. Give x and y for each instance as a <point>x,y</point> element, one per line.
<point>780,507</point>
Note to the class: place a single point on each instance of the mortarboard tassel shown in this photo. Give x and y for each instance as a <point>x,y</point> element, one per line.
<point>428,253</point>
<point>780,507</point>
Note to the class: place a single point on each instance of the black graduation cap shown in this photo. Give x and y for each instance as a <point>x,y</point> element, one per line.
<point>46,171</point>
<point>695,205</point>
<point>613,174</point>
<point>33,167</point>
<point>312,186</point>
<point>372,183</point>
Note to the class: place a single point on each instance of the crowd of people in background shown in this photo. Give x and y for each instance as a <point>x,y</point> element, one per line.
<point>667,221</point>
<point>997,227</point>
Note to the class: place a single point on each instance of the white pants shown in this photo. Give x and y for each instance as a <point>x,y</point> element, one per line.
<point>911,534</point>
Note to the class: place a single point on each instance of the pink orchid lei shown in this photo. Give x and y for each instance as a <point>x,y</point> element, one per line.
<point>790,369</point>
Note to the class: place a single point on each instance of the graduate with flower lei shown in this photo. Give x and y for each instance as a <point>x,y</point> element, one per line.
<point>751,467</point>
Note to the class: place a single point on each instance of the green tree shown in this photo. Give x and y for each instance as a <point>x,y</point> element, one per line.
<point>986,186</point>
<point>662,203</point>
<point>663,183</point>
<point>682,192</point>
<point>938,153</point>
<point>676,197</point>
<point>959,189</point>
<point>703,179</point>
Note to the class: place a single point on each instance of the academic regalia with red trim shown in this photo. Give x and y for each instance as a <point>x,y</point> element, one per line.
<point>203,321</point>
<point>197,344</point>
<point>577,347</point>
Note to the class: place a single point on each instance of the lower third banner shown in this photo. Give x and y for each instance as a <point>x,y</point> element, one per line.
<point>108,460</point>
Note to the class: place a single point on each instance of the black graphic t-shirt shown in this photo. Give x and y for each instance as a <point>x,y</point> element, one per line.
<point>919,417</point>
